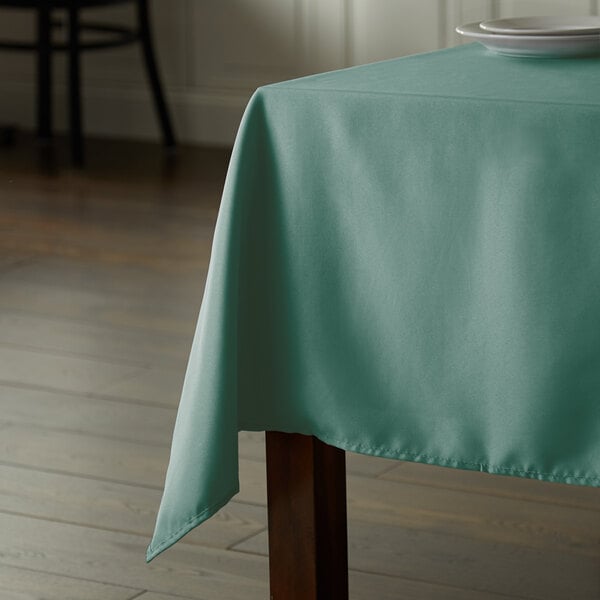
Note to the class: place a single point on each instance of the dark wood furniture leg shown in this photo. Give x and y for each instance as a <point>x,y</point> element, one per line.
<point>75,111</point>
<point>306,489</point>
<point>160,104</point>
<point>44,72</point>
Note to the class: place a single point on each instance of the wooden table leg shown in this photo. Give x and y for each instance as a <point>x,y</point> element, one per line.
<point>306,489</point>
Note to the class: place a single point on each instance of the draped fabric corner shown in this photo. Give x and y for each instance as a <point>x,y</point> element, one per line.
<point>406,264</point>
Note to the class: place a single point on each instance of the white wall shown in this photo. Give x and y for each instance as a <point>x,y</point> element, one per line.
<point>214,53</point>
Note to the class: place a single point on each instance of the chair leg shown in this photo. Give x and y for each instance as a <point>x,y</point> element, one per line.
<point>75,112</point>
<point>44,72</point>
<point>160,104</point>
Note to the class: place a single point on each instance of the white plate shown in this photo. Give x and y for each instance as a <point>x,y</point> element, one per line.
<point>544,25</point>
<point>534,46</point>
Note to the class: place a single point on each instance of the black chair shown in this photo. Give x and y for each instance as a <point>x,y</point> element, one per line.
<point>112,36</point>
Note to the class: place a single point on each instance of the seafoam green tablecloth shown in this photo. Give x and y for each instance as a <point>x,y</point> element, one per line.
<point>406,264</point>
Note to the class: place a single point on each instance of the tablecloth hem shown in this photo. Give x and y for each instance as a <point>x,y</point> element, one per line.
<point>419,457</point>
<point>153,551</point>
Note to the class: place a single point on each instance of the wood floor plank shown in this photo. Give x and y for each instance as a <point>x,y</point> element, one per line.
<point>153,385</point>
<point>115,507</point>
<point>112,419</point>
<point>462,562</point>
<point>154,596</point>
<point>80,454</point>
<point>370,586</point>
<point>119,240</point>
<point>87,376</point>
<point>117,461</point>
<point>367,466</point>
<point>64,372</point>
<point>25,584</point>
<point>486,518</point>
<point>456,513</point>
<point>122,279</point>
<point>150,313</point>
<point>132,184</point>
<point>107,201</point>
<point>496,485</point>
<point>90,340</point>
<point>10,260</point>
<point>196,572</point>
<point>542,574</point>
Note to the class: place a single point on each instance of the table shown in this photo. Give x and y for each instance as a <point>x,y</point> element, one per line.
<point>406,264</point>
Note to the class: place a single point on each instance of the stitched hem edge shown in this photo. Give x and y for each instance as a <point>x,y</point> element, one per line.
<point>420,457</point>
<point>154,550</point>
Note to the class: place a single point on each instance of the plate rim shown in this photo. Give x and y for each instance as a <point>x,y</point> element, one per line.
<point>573,30</point>
<point>533,46</point>
<point>474,29</point>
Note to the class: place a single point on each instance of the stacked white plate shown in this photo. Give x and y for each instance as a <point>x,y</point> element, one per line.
<point>540,37</point>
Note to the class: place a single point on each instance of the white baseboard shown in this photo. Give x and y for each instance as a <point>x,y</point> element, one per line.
<point>199,117</point>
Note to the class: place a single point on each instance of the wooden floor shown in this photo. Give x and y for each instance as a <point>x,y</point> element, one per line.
<point>101,276</point>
